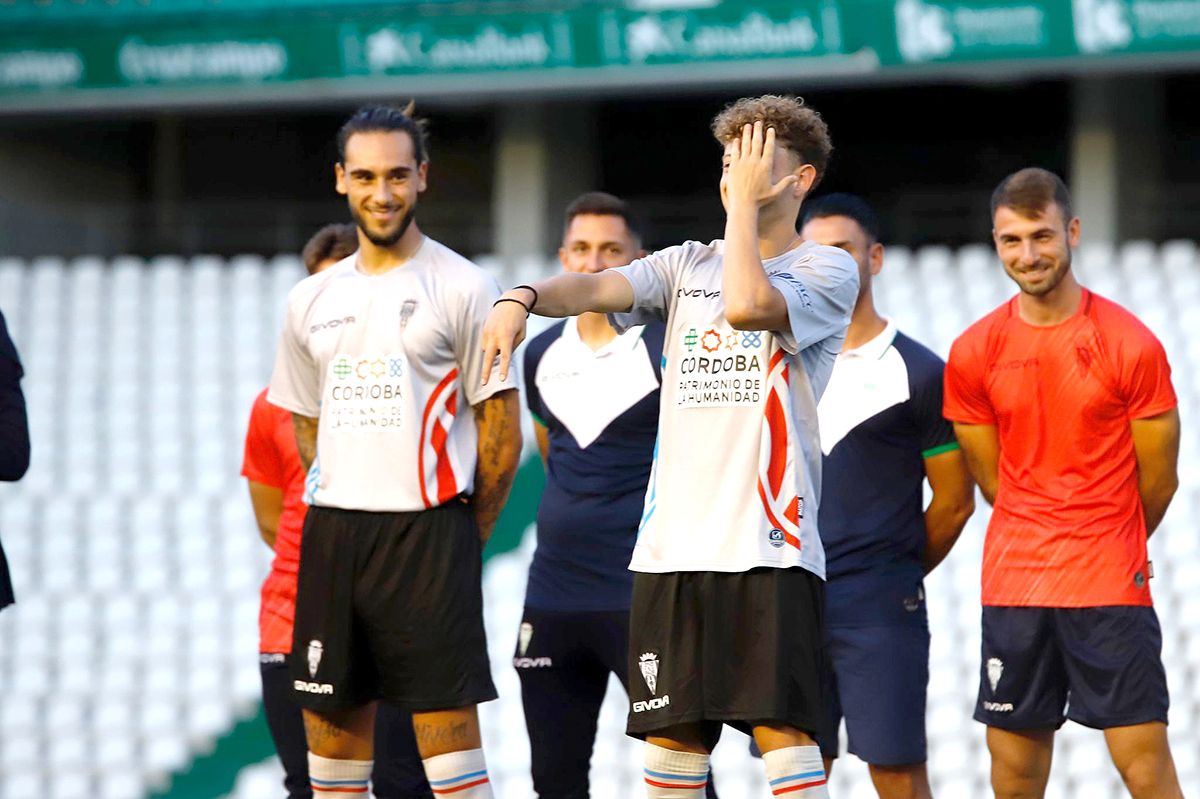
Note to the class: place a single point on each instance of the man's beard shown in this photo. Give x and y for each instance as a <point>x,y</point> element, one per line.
<point>386,240</point>
<point>1052,282</point>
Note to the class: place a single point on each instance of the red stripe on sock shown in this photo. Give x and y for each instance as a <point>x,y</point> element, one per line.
<point>675,785</point>
<point>460,787</point>
<point>800,787</point>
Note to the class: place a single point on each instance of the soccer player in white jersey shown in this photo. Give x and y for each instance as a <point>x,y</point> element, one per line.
<point>410,457</point>
<point>725,625</point>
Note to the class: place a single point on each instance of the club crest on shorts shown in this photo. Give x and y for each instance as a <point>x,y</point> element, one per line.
<point>315,648</point>
<point>995,668</point>
<point>524,637</point>
<point>648,663</point>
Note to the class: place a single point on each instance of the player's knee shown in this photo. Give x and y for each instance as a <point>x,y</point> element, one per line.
<point>901,782</point>
<point>1016,779</point>
<point>1147,774</point>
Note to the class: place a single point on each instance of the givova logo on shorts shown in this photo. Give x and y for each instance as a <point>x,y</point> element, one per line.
<point>315,650</point>
<point>648,665</point>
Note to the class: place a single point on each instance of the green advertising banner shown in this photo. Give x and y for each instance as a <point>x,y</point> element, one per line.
<point>1136,26</point>
<point>722,33</point>
<point>450,47</point>
<point>466,44</point>
<point>934,31</point>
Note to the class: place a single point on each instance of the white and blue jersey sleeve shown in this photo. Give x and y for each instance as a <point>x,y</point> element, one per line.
<point>654,280</point>
<point>820,289</point>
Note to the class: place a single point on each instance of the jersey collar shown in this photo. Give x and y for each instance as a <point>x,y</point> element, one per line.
<point>874,349</point>
<point>624,342</point>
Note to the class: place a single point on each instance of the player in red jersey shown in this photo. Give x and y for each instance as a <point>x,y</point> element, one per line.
<point>276,479</point>
<point>1063,405</point>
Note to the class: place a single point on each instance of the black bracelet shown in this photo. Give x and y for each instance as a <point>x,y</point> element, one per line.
<point>512,299</point>
<point>535,296</point>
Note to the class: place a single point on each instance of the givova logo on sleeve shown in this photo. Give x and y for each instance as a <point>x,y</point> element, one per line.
<point>720,366</point>
<point>365,392</point>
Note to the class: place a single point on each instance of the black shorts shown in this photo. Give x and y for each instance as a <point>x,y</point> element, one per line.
<point>735,648</point>
<point>1105,663</point>
<point>389,605</point>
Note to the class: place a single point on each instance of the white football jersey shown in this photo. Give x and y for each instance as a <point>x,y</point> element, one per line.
<point>737,467</point>
<point>390,365</point>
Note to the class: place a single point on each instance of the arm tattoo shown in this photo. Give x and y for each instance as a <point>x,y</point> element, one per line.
<point>306,439</point>
<point>497,421</point>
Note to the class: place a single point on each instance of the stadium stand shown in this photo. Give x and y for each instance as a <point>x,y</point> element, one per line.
<point>132,648</point>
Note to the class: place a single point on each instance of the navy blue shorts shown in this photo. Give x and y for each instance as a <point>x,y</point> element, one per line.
<point>1102,665</point>
<point>877,678</point>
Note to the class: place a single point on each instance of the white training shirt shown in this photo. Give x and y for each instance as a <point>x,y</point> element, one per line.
<point>390,365</point>
<point>737,467</point>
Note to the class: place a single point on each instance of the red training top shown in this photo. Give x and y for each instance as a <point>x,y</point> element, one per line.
<point>272,459</point>
<point>1067,529</point>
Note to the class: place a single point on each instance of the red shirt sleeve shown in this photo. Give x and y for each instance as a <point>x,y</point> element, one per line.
<point>966,397</point>
<point>1146,376</point>
<point>262,461</point>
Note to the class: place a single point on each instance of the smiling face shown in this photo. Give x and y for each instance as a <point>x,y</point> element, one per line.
<point>595,242</point>
<point>381,179</point>
<point>1035,251</point>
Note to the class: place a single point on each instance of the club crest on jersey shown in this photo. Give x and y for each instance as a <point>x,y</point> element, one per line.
<point>776,537</point>
<point>995,669</point>
<point>648,663</point>
<point>407,309</point>
<point>315,649</point>
<point>524,637</point>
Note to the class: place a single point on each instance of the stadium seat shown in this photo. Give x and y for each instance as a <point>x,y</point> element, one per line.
<point>24,781</point>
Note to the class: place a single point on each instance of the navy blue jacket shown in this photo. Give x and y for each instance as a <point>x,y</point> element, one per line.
<point>14,434</point>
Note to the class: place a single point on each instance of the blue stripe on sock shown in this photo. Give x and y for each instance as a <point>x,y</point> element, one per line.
<point>661,775</point>
<point>459,778</point>
<point>806,775</point>
<point>337,782</point>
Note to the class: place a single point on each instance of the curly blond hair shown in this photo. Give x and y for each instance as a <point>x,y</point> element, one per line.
<point>797,127</point>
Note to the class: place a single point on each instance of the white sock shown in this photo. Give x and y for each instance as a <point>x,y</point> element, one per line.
<point>796,772</point>
<point>675,775</point>
<point>339,778</point>
<point>461,775</point>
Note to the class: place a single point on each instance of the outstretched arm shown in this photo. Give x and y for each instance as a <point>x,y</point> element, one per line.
<point>561,295</point>
<point>1156,447</point>
<point>498,421</point>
